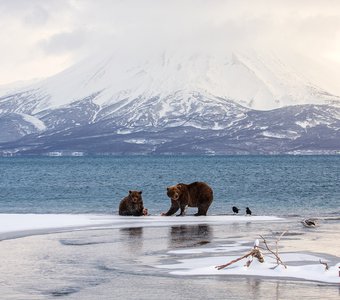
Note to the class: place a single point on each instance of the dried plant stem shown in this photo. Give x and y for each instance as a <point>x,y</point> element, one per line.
<point>277,244</point>
<point>325,264</point>
<point>276,253</point>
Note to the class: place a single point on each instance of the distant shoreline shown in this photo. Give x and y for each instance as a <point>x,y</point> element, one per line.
<point>85,154</point>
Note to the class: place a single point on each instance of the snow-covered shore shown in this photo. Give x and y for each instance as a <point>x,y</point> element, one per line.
<point>13,223</point>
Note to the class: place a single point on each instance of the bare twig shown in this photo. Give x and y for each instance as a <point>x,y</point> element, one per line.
<point>324,263</point>
<point>278,259</point>
<point>248,263</point>
<point>277,245</point>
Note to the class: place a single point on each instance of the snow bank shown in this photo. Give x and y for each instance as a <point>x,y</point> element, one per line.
<point>299,265</point>
<point>23,222</point>
<point>10,223</point>
<point>40,125</point>
<point>310,271</point>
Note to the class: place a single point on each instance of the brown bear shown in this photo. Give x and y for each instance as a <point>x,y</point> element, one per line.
<point>196,194</point>
<point>132,205</point>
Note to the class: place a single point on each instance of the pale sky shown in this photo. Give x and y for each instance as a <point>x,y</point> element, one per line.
<point>39,38</point>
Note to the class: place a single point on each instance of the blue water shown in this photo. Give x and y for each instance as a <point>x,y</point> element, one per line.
<point>273,185</point>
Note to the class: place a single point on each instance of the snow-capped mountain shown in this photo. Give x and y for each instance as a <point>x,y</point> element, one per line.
<point>171,103</point>
<point>248,78</point>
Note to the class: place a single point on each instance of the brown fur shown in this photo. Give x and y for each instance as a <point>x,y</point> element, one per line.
<point>196,194</point>
<point>132,205</point>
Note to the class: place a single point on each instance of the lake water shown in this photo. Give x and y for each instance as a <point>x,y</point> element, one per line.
<point>269,185</point>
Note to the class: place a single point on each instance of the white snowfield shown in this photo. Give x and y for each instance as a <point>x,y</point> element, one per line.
<point>308,267</point>
<point>34,121</point>
<point>252,79</point>
<point>12,223</point>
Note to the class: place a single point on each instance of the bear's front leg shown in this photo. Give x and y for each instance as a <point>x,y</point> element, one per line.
<point>173,209</point>
<point>183,210</point>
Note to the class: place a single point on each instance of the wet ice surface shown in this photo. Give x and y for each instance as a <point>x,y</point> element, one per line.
<point>139,261</point>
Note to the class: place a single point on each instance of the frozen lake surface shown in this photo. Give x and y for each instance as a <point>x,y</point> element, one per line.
<point>109,257</point>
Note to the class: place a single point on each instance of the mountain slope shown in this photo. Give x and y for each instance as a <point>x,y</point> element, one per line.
<point>171,103</point>
<point>248,78</point>
<point>294,129</point>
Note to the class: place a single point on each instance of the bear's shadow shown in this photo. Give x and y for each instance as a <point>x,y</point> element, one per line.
<point>189,236</point>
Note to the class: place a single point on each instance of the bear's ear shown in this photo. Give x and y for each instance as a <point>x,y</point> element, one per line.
<point>140,192</point>
<point>130,192</point>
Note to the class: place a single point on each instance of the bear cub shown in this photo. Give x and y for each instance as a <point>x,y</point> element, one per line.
<point>132,205</point>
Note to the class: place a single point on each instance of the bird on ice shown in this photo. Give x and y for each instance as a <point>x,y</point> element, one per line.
<point>248,211</point>
<point>235,210</point>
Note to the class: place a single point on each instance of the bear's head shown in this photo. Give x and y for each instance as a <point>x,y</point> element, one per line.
<point>175,191</point>
<point>135,196</point>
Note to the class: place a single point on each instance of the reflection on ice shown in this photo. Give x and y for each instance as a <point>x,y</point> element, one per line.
<point>189,235</point>
<point>133,232</point>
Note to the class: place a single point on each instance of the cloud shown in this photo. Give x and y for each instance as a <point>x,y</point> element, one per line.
<point>37,16</point>
<point>33,12</point>
<point>63,42</point>
<point>56,33</point>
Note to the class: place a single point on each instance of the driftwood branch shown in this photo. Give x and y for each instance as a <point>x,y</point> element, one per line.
<point>255,252</point>
<point>233,261</point>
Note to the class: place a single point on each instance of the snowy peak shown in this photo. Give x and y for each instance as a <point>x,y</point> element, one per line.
<point>258,81</point>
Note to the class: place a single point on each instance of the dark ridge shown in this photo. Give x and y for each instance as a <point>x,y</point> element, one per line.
<point>106,268</point>
<point>64,291</point>
<point>78,243</point>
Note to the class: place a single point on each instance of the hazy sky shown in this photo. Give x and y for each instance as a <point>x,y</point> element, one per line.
<point>41,37</point>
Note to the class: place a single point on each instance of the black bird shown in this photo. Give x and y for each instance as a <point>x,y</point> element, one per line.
<point>248,211</point>
<point>235,210</point>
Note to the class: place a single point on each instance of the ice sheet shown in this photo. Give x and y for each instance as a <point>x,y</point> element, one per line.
<point>10,223</point>
<point>299,265</point>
